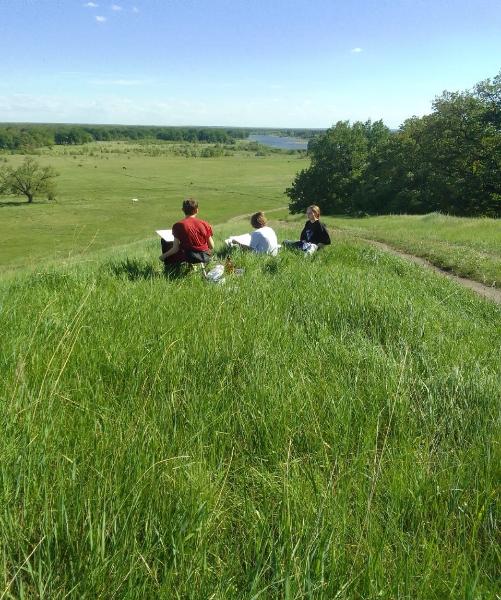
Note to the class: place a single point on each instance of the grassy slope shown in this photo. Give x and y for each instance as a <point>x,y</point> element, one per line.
<point>468,247</point>
<point>316,427</point>
<point>95,208</point>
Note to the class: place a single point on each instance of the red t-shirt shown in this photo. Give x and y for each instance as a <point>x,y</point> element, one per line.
<point>193,234</point>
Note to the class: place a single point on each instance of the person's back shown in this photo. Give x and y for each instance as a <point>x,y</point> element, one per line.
<point>192,238</point>
<point>264,240</point>
<point>193,234</point>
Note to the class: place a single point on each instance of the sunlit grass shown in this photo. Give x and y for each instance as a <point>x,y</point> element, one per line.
<point>468,247</point>
<point>94,209</point>
<point>319,427</point>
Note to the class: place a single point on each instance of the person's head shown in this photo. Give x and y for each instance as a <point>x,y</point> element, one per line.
<point>313,213</point>
<point>190,207</point>
<point>258,220</point>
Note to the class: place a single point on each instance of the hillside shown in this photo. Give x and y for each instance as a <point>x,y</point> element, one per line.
<point>319,427</point>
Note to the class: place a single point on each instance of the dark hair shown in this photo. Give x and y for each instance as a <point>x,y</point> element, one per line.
<point>258,220</point>
<point>190,206</point>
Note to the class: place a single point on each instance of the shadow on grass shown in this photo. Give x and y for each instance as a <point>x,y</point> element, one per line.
<point>135,269</point>
<point>14,203</point>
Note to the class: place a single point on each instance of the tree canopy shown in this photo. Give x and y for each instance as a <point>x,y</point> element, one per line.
<point>30,179</point>
<point>448,161</point>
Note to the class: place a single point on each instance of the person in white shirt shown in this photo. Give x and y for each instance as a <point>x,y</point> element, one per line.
<point>263,240</point>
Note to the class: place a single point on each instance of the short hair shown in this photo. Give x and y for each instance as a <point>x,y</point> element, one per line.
<point>258,220</point>
<point>315,210</point>
<point>190,206</point>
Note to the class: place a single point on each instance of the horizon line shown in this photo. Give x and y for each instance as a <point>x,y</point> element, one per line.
<point>157,125</point>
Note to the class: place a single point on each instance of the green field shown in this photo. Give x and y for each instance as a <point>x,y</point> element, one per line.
<point>465,246</point>
<point>320,427</point>
<point>94,209</point>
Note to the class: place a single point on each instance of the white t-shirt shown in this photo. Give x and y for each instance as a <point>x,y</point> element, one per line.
<point>264,240</point>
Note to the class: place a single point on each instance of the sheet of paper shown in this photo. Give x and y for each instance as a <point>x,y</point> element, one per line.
<point>166,234</point>
<point>244,239</point>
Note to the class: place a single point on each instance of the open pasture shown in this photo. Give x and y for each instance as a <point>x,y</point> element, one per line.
<point>322,427</point>
<point>94,209</point>
<point>468,247</point>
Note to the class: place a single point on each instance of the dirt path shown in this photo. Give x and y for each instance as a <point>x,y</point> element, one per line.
<point>483,290</point>
<point>486,291</point>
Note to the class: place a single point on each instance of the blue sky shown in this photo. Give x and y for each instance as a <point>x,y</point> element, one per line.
<point>276,63</point>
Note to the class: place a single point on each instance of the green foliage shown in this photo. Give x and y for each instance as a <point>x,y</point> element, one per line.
<point>23,138</point>
<point>30,179</point>
<point>338,162</point>
<point>447,161</point>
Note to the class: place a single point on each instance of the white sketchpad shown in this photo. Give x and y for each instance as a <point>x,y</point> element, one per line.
<point>166,234</point>
<point>244,239</point>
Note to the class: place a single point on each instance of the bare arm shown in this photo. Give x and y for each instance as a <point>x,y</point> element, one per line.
<point>171,251</point>
<point>210,243</point>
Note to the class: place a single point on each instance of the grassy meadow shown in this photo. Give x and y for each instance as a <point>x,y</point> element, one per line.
<point>97,183</point>
<point>466,246</point>
<point>320,427</point>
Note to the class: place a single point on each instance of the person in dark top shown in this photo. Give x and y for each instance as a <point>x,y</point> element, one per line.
<point>192,238</point>
<point>314,232</point>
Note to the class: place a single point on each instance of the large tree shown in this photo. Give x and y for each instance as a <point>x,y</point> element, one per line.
<point>338,162</point>
<point>448,161</point>
<point>30,179</point>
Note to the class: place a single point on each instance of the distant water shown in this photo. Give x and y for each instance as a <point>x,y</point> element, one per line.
<point>276,141</point>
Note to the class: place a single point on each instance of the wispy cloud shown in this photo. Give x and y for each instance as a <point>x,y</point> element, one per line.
<point>356,50</point>
<point>135,9</point>
<point>100,19</point>
<point>91,5</point>
<point>116,7</point>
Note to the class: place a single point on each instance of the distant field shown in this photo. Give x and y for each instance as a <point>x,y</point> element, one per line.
<point>321,427</point>
<point>468,247</point>
<point>94,209</point>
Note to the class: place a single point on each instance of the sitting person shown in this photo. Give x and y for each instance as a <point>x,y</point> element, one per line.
<point>314,234</point>
<point>192,238</point>
<point>262,240</point>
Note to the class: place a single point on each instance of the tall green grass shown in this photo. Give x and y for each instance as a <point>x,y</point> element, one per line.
<point>323,427</point>
<point>468,247</point>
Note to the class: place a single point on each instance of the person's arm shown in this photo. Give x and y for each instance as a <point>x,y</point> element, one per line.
<point>324,236</point>
<point>210,243</point>
<point>171,251</point>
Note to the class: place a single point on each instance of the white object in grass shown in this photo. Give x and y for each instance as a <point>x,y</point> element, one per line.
<point>165,234</point>
<point>244,239</point>
<point>216,275</point>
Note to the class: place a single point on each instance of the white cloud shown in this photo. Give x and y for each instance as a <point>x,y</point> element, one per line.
<point>356,50</point>
<point>91,5</point>
<point>258,112</point>
<point>100,19</point>
<point>116,7</point>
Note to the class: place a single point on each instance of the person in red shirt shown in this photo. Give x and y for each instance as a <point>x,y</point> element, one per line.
<point>192,238</point>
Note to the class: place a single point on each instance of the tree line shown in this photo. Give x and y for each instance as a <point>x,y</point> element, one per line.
<point>24,137</point>
<point>448,161</point>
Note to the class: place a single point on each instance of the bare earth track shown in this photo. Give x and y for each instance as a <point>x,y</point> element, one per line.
<point>491,293</point>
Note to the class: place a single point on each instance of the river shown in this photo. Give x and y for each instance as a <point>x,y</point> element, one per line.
<point>277,141</point>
